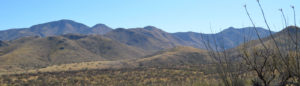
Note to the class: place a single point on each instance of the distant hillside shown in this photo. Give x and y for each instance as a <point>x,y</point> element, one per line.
<point>283,39</point>
<point>54,28</point>
<point>154,39</point>
<point>229,38</point>
<point>148,38</point>
<point>40,52</point>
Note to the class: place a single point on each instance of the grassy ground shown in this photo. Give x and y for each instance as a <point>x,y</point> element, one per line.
<point>119,77</point>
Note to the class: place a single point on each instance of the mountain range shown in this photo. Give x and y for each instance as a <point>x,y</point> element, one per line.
<point>54,28</point>
<point>149,37</point>
<point>67,41</point>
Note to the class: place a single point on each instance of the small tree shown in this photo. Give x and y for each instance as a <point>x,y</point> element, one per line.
<point>279,59</point>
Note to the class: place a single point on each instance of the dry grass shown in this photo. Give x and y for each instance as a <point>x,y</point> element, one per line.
<point>120,77</point>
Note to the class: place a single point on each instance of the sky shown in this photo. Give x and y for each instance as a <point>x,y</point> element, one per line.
<point>168,15</point>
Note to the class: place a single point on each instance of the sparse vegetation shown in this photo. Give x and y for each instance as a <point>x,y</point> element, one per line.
<point>123,77</point>
<point>149,56</point>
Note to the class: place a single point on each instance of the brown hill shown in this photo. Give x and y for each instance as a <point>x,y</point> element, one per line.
<point>285,38</point>
<point>36,52</point>
<point>177,56</point>
<point>174,57</point>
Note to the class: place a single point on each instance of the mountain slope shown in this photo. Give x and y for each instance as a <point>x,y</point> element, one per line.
<point>285,39</point>
<point>12,34</point>
<point>282,39</point>
<point>99,29</point>
<point>229,38</point>
<point>175,56</point>
<point>54,28</point>
<point>58,28</point>
<point>148,38</point>
<point>2,43</point>
<point>153,39</point>
<point>36,52</point>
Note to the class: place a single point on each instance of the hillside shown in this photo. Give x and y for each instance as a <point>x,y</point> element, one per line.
<point>51,43</point>
<point>176,66</point>
<point>99,29</point>
<point>170,58</point>
<point>2,43</point>
<point>229,38</point>
<point>178,56</point>
<point>284,38</point>
<point>37,52</point>
<point>148,38</point>
<point>153,39</point>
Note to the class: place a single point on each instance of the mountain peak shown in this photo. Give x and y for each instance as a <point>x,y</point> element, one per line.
<point>245,29</point>
<point>120,29</point>
<point>154,29</point>
<point>59,23</point>
<point>100,25</point>
<point>59,27</point>
<point>150,28</point>
<point>100,29</point>
<point>231,28</point>
<point>291,29</point>
<point>66,20</point>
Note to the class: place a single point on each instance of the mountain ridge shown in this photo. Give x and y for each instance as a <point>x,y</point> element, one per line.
<point>229,38</point>
<point>156,38</point>
<point>54,28</point>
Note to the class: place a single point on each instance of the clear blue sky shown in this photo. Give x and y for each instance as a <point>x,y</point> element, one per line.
<point>169,15</point>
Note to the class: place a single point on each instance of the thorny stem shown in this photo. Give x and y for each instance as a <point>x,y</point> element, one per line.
<point>297,55</point>
<point>265,20</point>
<point>285,22</point>
<point>254,26</point>
<point>290,36</point>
